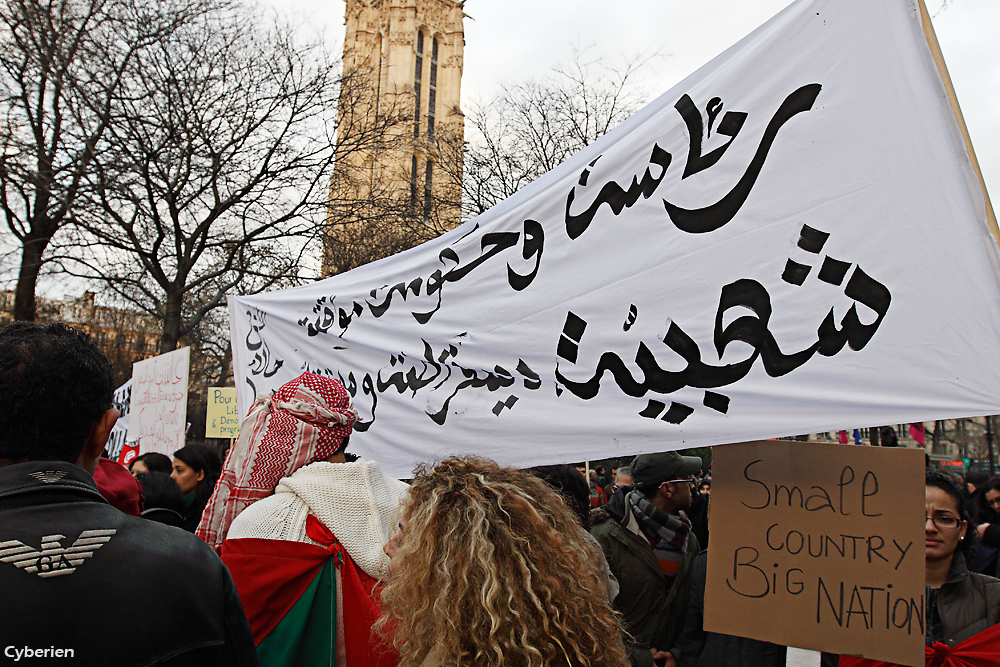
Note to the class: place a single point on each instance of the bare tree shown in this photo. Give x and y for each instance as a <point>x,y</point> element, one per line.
<point>532,127</point>
<point>213,172</point>
<point>62,62</point>
<point>525,131</point>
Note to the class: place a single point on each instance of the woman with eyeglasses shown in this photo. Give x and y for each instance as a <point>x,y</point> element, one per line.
<point>960,603</point>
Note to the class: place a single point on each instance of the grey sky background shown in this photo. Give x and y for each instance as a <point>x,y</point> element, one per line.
<point>507,41</point>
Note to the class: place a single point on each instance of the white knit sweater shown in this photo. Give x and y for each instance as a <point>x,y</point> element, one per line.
<point>354,500</point>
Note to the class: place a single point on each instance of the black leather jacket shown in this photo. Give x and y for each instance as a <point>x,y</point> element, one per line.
<point>78,575</point>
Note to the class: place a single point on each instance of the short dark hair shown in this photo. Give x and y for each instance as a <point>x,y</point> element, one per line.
<point>54,384</point>
<point>976,478</point>
<point>159,490</point>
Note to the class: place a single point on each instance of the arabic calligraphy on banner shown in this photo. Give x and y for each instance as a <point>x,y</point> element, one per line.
<point>747,257</point>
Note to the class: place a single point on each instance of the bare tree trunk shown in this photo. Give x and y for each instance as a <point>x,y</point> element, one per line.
<point>171,323</point>
<point>227,361</point>
<point>27,279</point>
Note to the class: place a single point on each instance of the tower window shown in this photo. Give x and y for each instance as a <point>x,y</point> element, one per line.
<point>417,76</point>
<point>432,93</point>
<point>428,177</point>
<point>413,186</point>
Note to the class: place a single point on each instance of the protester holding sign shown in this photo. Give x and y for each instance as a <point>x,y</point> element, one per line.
<point>963,608</point>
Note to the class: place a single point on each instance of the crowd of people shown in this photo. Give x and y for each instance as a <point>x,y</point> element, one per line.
<point>293,551</point>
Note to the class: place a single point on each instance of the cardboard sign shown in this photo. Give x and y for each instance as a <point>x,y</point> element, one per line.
<point>159,402</point>
<point>221,420</point>
<point>819,546</point>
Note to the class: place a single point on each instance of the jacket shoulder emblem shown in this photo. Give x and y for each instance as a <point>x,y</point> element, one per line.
<point>54,560</point>
<point>48,476</point>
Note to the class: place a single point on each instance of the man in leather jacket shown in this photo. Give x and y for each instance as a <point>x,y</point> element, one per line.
<point>81,580</point>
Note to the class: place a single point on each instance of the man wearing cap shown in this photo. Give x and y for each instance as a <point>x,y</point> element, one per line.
<point>649,546</point>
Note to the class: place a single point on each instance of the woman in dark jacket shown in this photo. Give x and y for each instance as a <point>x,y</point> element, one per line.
<point>196,470</point>
<point>960,603</point>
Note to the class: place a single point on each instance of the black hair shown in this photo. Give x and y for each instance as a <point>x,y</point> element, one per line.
<point>976,477</point>
<point>571,485</point>
<point>159,490</point>
<point>154,462</point>
<point>350,458</point>
<point>201,458</point>
<point>946,483</point>
<point>982,511</point>
<point>54,384</point>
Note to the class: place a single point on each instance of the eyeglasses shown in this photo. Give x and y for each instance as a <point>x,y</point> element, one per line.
<point>944,522</point>
<point>692,480</point>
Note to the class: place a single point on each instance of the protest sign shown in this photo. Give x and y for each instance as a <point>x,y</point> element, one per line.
<point>221,418</point>
<point>159,402</point>
<point>819,546</point>
<point>119,448</point>
<point>753,254</point>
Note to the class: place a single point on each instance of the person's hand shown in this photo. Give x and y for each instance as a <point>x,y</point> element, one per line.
<point>663,658</point>
<point>981,529</point>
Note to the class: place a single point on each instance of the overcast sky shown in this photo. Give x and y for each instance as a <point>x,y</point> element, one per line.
<point>513,40</point>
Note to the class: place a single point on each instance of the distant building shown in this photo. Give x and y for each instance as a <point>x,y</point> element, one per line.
<point>124,335</point>
<point>403,71</point>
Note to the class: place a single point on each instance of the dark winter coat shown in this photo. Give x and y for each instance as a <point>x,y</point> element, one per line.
<point>653,609</point>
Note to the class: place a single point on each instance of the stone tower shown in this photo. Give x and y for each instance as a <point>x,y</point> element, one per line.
<point>397,177</point>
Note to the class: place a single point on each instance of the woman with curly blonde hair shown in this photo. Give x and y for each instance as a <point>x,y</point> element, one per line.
<point>490,568</point>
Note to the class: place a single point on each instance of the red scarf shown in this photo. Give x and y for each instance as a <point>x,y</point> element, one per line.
<point>979,650</point>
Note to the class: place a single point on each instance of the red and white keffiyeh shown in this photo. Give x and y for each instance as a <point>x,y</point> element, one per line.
<point>304,421</point>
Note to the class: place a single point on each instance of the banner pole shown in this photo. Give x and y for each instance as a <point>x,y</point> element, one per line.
<point>935,47</point>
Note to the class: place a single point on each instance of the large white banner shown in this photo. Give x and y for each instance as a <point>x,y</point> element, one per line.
<point>791,240</point>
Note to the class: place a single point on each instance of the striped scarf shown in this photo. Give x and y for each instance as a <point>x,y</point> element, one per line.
<point>304,421</point>
<point>670,531</point>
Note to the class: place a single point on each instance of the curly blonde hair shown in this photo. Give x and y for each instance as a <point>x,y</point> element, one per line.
<point>492,568</point>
